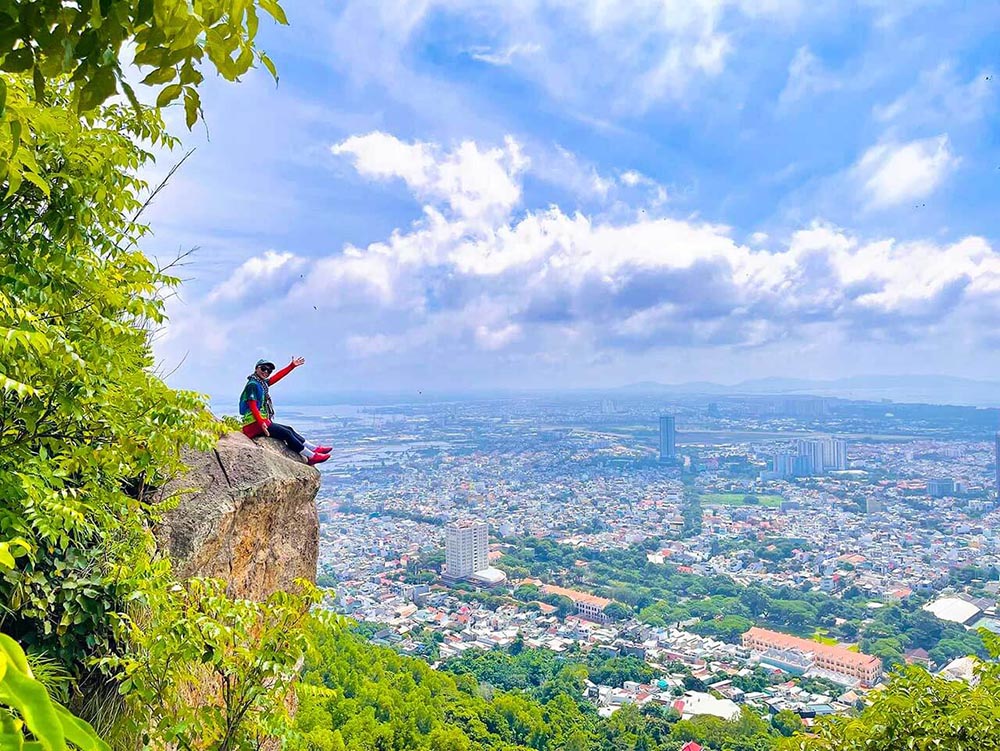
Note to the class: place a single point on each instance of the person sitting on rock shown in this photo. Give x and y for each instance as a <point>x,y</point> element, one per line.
<point>256,410</point>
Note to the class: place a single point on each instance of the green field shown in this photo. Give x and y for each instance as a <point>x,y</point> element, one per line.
<point>822,638</point>
<point>736,499</point>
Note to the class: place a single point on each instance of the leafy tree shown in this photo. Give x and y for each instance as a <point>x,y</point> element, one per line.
<point>918,710</point>
<point>526,592</point>
<point>83,42</point>
<point>86,426</point>
<point>201,643</point>
<point>616,670</point>
<point>787,722</point>
<point>617,611</point>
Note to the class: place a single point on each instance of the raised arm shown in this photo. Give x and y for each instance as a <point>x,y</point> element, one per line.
<point>296,362</point>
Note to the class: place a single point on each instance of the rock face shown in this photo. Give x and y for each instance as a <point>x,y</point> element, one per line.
<point>247,514</point>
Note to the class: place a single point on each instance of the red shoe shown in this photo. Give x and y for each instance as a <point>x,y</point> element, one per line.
<point>323,449</point>
<point>317,459</point>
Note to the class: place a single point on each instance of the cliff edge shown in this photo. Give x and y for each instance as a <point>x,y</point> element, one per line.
<point>247,514</point>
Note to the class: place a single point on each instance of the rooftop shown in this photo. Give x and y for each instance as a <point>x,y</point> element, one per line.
<point>787,641</point>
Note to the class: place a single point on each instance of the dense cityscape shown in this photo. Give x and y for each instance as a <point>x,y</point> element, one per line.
<point>775,553</point>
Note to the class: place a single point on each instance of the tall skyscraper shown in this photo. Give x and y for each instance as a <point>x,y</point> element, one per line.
<point>466,548</point>
<point>668,438</point>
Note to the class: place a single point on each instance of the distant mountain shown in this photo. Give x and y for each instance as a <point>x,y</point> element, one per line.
<point>931,389</point>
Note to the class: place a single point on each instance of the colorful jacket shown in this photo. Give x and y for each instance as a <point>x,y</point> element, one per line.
<point>254,392</point>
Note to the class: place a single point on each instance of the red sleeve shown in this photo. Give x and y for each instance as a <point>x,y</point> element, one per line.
<point>252,404</point>
<point>280,374</point>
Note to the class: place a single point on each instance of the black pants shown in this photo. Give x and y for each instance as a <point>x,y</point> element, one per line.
<point>287,434</point>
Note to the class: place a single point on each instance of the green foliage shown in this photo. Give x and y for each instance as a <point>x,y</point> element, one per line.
<point>727,628</point>
<point>616,670</point>
<point>918,710</point>
<point>85,426</point>
<point>787,722</point>
<point>748,732</point>
<point>357,697</point>
<point>525,671</point>
<point>207,671</point>
<point>83,42</point>
<point>663,594</point>
<point>87,429</point>
<point>617,611</point>
<point>29,718</point>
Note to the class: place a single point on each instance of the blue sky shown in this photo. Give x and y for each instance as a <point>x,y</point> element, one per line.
<point>446,194</point>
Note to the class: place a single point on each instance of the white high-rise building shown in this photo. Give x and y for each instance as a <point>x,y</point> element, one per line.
<point>834,453</point>
<point>466,548</point>
<point>812,450</point>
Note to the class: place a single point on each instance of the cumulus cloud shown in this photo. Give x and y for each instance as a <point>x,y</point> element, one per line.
<point>892,173</point>
<point>547,284</point>
<point>475,183</point>
<point>642,282</point>
<point>259,278</point>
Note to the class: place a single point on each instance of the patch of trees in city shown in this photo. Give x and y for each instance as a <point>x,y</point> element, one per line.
<point>662,594</point>
<point>533,670</point>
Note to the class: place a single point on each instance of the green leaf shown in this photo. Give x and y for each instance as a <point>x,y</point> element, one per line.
<point>14,653</point>
<point>168,94</point>
<point>95,14</point>
<point>270,66</point>
<point>79,732</point>
<point>32,702</point>
<point>15,136</point>
<point>160,76</point>
<point>192,106</point>
<point>3,96</point>
<point>38,80</point>
<point>274,10</point>
<point>98,89</point>
<point>18,61</point>
<point>37,181</point>
<point>8,384</point>
<point>132,98</point>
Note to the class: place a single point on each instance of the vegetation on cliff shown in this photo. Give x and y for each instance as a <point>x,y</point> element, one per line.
<point>86,425</point>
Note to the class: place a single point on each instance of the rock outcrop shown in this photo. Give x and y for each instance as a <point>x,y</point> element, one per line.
<point>247,514</point>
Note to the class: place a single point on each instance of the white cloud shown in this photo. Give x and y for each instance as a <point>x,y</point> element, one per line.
<point>493,339</point>
<point>893,173</point>
<point>807,77</point>
<point>514,281</point>
<point>474,183</point>
<point>259,277</point>
<point>634,179</point>
<point>503,57</point>
<point>630,54</point>
<point>940,98</point>
<point>550,285</point>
